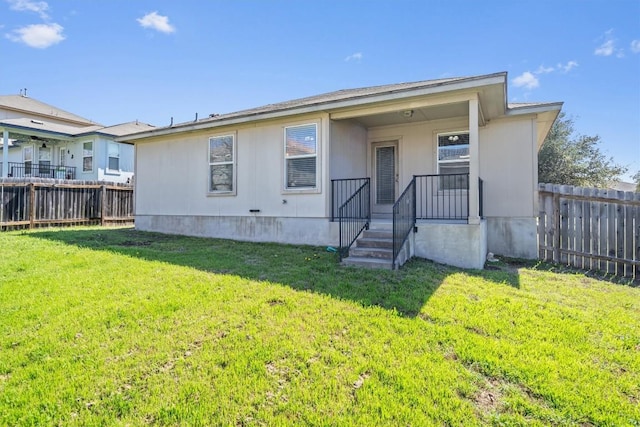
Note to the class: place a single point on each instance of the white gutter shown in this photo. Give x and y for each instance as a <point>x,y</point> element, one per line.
<point>472,82</point>
<point>534,109</point>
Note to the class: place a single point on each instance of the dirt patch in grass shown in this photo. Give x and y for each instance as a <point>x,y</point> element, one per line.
<point>488,399</point>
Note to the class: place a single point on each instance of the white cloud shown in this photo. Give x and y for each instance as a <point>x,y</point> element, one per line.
<point>635,46</point>
<point>544,70</point>
<point>605,49</point>
<point>40,36</point>
<point>354,57</point>
<point>156,22</point>
<point>39,7</point>
<point>527,80</point>
<point>608,46</point>
<point>568,66</point>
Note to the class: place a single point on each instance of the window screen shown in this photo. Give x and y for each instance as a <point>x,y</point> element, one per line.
<point>453,159</point>
<point>114,156</point>
<point>300,156</point>
<point>221,163</point>
<point>87,157</point>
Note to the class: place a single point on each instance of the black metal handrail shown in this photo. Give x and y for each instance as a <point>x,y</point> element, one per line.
<point>354,216</point>
<point>341,190</point>
<point>404,217</point>
<point>443,197</point>
<point>41,170</point>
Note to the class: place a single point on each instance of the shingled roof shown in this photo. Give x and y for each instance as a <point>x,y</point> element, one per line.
<point>25,104</point>
<point>325,98</point>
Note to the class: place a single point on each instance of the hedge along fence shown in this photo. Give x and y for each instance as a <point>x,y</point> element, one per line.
<point>590,228</point>
<point>30,203</point>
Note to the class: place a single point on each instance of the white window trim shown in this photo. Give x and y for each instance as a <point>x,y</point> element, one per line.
<point>437,157</point>
<point>233,162</point>
<point>107,168</point>
<point>45,170</point>
<point>301,190</point>
<point>93,156</point>
<point>24,161</point>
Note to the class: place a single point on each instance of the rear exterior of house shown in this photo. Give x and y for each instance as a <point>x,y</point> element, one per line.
<point>447,164</point>
<point>45,142</point>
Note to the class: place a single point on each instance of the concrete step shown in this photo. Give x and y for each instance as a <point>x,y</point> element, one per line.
<point>367,262</point>
<point>378,234</point>
<point>382,253</point>
<point>370,242</point>
<point>383,226</point>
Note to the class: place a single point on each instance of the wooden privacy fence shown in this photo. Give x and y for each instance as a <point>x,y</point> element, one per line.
<point>590,228</point>
<point>29,203</point>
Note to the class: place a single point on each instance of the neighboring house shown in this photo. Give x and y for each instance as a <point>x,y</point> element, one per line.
<point>623,186</point>
<point>281,172</point>
<point>47,142</point>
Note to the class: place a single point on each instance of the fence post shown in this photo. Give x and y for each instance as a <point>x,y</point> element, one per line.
<point>103,204</point>
<point>556,226</point>
<point>32,207</point>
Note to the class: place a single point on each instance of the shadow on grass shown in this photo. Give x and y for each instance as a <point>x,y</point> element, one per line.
<point>594,274</point>
<point>299,267</point>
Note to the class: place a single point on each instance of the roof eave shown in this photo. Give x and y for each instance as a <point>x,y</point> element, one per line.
<point>35,131</point>
<point>466,83</point>
<point>534,109</point>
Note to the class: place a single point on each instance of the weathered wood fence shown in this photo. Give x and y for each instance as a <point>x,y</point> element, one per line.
<point>30,203</point>
<point>591,229</point>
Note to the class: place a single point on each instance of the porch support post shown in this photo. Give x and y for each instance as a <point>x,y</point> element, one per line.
<point>474,162</point>
<point>5,153</point>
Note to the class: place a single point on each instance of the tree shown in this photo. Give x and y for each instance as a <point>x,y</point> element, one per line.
<point>572,159</point>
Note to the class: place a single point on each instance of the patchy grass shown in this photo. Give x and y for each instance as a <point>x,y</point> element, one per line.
<point>119,327</point>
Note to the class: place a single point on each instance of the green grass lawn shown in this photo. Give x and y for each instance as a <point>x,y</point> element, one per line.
<point>119,327</point>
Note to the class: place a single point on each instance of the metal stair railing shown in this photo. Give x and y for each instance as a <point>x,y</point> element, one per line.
<point>404,218</point>
<point>354,216</point>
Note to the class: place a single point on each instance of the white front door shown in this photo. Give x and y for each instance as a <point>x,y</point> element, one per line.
<point>385,176</point>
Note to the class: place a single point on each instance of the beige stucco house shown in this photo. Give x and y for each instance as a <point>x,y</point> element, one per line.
<point>446,168</point>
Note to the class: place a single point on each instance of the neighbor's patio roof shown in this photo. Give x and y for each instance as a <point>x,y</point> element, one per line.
<point>59,131</point>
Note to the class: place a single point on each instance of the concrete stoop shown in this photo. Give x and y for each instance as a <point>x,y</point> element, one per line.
<point>374,249</point>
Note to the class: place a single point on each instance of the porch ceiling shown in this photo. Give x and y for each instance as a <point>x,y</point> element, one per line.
<point>400,117</point>
<point>26,138</point>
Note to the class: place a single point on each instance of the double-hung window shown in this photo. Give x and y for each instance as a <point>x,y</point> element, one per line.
<point>453,159</point>
<point>222,164</point>
<point>113,156</point>
<point>87,156</point>
<point>301,150</point>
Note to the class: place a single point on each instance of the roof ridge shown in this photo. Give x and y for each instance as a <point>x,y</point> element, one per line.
<point>21,103</point>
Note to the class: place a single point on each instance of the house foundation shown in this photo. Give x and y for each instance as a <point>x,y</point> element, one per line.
<point>513,237</point>
<point>297,231</point>
<point>458,244</point>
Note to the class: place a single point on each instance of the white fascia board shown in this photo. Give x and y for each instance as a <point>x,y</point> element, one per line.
<point>535,109</point>
<point>470,83</point>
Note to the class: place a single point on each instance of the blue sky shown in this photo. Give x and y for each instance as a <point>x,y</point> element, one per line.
<point>117,61</point>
